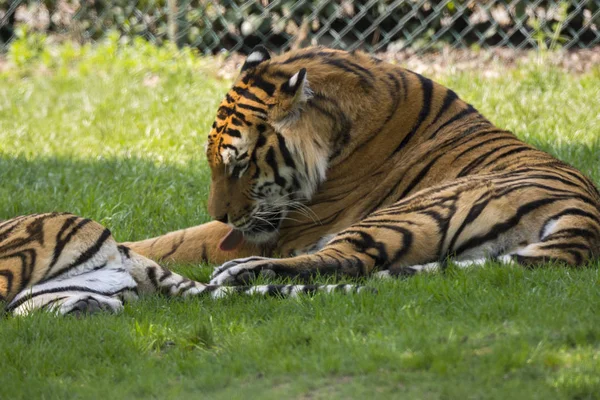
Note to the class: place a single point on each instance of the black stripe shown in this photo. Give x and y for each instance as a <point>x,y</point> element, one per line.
<point>481,144</point>
<point>449,99</point>
<point>558,194</point>
<point>285,153</point>
<point>464,113</point>
<point>570,233</point>
<point>87,254</point>
<point>230,147</point>
<point>419,177</point>
<point>175,247</point>
<point>547,176</point>
<point>395,96</point>
<point>272,162</point>
<point>247,94</point>
<point>224,112</point>
<point>10,229</point>
<point>263,85</point>
<point>475,132</point>
<point>61,241</point>
<point>34,231</point>
<point>567,169</point>
<point>251,108</point>
<point>404,80</point>
<point>9,282</point>
<point>151,274</point>
<point>260,142</point>
<point>233,132</point>
<point>241,116</point>
<point>563,245</point>
<point>339,120</point>
<point>365,76</point>
<point>27,268</point>
<point>13,220</point>
<point>508,154</point>
<point>126,251</point>
<point>427,88</point>
<point>576,211</point>
<point>481,158</point>
<point>475,211</point>
<point>501,227</point>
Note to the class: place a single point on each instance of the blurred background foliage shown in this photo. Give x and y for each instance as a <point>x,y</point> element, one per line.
<point>372,25</point>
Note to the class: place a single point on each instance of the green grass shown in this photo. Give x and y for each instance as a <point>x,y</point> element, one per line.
<point>85,134</point>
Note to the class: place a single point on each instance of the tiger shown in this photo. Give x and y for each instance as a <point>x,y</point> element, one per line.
<point>327,162</point>
<point>67,264</point>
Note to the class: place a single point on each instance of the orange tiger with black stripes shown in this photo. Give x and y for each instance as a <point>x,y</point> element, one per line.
<point>343,164</point>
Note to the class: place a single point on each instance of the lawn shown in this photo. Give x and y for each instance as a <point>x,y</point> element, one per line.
<point>118,136</point>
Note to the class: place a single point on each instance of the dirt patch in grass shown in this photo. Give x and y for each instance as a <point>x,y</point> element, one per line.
<point>491,62</point>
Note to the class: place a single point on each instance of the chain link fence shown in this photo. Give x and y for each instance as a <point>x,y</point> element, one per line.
<point>372,25</point>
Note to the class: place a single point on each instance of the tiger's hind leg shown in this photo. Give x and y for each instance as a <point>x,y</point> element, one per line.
<point>62,263</point>
<point>100,284</point>
<point>113,275</point>
<point>571,237</point>
<point>528,220</point>
<point>568,237</point>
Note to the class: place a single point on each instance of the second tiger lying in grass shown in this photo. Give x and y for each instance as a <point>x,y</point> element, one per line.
<point>69,264</point>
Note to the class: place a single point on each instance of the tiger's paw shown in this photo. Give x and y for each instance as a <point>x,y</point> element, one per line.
<point>90,304</point>
<point>242,271</point>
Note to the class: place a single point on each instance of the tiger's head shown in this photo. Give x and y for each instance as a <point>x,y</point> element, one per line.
<point>261,164</point>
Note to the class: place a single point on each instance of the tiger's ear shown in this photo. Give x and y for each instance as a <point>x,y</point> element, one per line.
<point>294,93</point>
<point>298,88</point>
<point>296,84</point>
<point>256,56</point>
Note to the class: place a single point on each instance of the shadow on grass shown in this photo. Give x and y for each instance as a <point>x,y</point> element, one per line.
<point>138,198</point>
<point>135,198</point>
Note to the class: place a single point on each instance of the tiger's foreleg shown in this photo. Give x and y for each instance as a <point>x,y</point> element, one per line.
<point>511,219</point>
<point>199,244</point>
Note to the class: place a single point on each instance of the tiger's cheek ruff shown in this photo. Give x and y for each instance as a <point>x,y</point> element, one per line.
<point>311,159</point>
<point>281,185</point>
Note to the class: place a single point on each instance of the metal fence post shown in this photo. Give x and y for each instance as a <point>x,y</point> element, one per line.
<point>172,16</point>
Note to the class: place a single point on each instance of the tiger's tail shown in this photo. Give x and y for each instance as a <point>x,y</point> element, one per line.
<point>151,277</point>
<point>218,291</point>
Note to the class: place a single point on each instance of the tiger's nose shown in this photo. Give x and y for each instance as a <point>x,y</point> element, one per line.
<point>223,218</point>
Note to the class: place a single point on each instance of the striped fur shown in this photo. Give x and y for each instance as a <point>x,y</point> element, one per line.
<point>349,165</point>
<point>72,265</point>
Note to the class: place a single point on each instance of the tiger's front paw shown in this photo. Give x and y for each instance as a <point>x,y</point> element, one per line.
<point>242,271</point>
